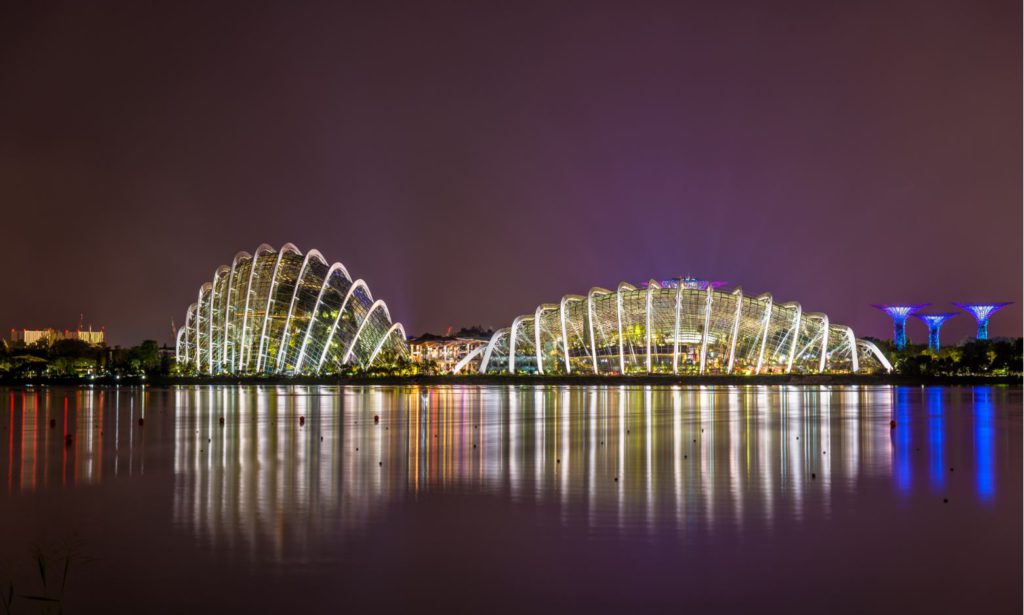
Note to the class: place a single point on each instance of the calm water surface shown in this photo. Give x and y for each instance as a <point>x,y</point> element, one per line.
<point>516,498</point>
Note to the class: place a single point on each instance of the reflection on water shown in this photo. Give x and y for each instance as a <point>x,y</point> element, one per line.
<point>278,468</point>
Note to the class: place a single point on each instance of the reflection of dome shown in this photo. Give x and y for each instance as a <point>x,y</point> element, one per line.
<point>280,312</point>
<point>676,326</point>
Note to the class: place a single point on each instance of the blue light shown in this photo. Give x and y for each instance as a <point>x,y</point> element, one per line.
<point>901,446</point>
<point>899,315</point>
<point>934,322</point>
<point>982,312</point>
<point>984,444</point>
<point>936,438</point>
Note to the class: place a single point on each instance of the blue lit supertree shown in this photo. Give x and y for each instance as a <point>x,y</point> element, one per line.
<point>899,315</point>
<point>982,312</point>
<point>934,322</point>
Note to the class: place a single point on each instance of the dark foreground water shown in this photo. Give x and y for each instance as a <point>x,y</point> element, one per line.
<point>514,499</point>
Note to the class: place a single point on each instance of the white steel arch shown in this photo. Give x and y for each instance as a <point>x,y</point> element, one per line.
<point>873,349</point>
<point>537,320</point>
<point>242,350</point>
<point>464,361</point>
<point>707,325</point>
<point>796,334</point>
<point>213,303</point>
<point>281,354</point>
<point>227,303</point>
<point>824,344</point>
<point>651,286</point>
<point>199,320</point>
<point>618,314</point>
<point>270,300</point>
<point>854,361</point>
<point>735,328</point>
<point>341,310</point>
<point>590,320</point>
<point>395,327</point>
<point>490,349</point>
<point>675,336</point>
<point>316,310</point>
<point>764,331</point>
<point>359,331</point>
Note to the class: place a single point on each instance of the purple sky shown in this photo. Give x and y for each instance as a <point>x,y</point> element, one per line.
<point>471,163</point>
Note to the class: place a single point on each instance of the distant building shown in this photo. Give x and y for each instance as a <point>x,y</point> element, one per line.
<point>49,336</point>
<point>446,351</point>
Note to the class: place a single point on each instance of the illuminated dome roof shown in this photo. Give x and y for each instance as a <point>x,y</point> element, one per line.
<point>673,327</point>
<point>279,312</point>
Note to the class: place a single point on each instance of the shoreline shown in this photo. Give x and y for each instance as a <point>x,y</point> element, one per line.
<point>530,380</point>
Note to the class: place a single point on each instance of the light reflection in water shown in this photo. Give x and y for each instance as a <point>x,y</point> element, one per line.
<point>247,476</point>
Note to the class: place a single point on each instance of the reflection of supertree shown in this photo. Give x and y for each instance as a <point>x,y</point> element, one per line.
<point>982,312</point>
<point>899,315</point>
<point>934,322</point>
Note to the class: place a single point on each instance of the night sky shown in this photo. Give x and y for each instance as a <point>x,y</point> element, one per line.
<point>471,162</point>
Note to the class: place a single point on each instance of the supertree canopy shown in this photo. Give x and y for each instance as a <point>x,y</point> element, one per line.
<point>899,315</point>
<point>934,322</point>
<point>982,312</point>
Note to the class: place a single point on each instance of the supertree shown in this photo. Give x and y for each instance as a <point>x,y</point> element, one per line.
<point>899,315</point>
<point>982,312</point>
<point>934,322</point>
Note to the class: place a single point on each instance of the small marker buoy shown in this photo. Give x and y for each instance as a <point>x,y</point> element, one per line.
<point>602,442</point>
<point>627,432</point>
<point>822,452</point>
<point>302,420</point>
<point>380,463</point>
<point>685,457</point>
<point>694,441</point>
<point>892,424</point>
<point>558,461</point>
<point>321,438</point>
<point>222,420</point>
<point>798,437</point>
<point>616,479</point>
<point>376,419</point>
<point>357,449</point>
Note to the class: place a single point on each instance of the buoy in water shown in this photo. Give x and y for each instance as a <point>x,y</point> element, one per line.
<point>376,419</point>
<point>222,420</point>
<point>302,421</point>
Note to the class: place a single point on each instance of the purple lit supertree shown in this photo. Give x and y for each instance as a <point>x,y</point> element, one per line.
<point>899,314</point>
<point>982,312</point>
<point>934,322</point>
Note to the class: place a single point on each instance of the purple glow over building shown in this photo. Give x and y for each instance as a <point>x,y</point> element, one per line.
<point>982,312</point>
<point>899,315</point>
<point>934,322</point>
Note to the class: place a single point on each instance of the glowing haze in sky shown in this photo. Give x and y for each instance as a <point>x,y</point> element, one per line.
<point>471,162</point>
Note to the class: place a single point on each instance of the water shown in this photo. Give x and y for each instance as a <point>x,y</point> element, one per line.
<point>508,498</point>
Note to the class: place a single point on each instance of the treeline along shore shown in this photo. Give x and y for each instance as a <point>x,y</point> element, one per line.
<point>563,380</point>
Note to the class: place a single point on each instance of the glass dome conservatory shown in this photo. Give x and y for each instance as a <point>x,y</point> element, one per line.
<point>680,326</point>
<point>282,312</point>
